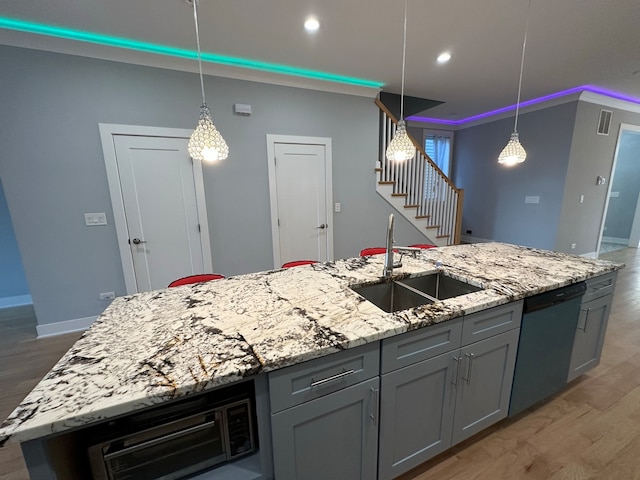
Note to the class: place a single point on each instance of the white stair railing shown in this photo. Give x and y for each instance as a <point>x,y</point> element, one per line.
<point>430,198</point>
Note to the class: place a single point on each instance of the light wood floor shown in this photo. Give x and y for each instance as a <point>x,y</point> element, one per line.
<point>589,431</point>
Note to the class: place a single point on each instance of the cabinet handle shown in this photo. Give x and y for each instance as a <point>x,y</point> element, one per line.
<point>454,380</point>
<point>470,356</point>
<point>376,396</point>
<point>586,319</point>
<point>605,286</point>
<point>337,376</point>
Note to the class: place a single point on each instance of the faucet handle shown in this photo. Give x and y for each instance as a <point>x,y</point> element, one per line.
<point>413,251</point>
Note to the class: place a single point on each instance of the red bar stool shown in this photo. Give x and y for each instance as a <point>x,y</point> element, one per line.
<point>297,263</point>
<point>423,245</point>
<point>365,252</point>
<point>199,278</point>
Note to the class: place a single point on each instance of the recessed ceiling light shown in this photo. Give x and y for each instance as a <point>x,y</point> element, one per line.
<point>311,24</point>
<point>444,57</point>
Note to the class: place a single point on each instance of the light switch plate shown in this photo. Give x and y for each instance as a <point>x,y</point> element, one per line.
<point>92,219</point>
<point>338,207</point>
<point>532,199</point>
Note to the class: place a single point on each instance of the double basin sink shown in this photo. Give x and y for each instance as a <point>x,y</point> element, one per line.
<point>412,292</point>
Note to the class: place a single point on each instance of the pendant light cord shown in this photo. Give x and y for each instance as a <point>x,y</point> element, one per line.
<point>195,19</point>
<point>524,45</point>
<point>404,51</point>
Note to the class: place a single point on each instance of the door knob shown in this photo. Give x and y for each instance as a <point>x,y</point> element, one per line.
<point>137,241</point>
<point>323,226</point>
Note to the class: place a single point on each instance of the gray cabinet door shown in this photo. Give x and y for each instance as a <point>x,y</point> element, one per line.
<point>484,387</point>
<point>592,326</point>
<point>333,437</point>
<point>416,413</point>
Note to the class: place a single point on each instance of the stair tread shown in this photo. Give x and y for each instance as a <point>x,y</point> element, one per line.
<point>381,182</point>
<point>442,236</point>
<point>411,206</point>
<point>433,226</point>
<point>422,216</point>
<point>398,194</point>
<point>378,169</point>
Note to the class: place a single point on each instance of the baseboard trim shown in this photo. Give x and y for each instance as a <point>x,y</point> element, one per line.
<point>67,326</point>
<point>589,255</point>
<point>470,239</point>
<point>17,301</point>
<point>621,241</point>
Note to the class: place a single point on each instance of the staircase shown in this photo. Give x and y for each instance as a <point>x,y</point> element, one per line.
<point>418,189</point>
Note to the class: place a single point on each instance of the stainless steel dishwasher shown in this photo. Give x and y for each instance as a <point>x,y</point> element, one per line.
<point>549,323</point>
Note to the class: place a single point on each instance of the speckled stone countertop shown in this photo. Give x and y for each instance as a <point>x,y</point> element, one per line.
<point>152,347</point>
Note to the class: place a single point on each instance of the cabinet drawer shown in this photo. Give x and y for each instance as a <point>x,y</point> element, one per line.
<point>313,379</point>
<point>488,323</point>
<point>422,344</point>
<point>600,286</point>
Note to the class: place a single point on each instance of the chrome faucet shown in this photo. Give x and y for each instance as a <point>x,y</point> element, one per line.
<point>389,264</point>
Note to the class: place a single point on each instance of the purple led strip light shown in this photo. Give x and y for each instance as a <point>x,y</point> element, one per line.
<point>583,88</point>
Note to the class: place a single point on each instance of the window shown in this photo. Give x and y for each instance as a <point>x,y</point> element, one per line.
<point>437,144</point>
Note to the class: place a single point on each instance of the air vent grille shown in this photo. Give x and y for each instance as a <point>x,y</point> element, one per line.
<point>604,123</point>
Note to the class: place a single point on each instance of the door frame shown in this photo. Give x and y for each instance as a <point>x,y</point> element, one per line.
<point>635,228</point>
<point>273,194</point>
<point>107,132</point>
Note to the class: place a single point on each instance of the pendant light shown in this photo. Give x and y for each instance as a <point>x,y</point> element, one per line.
<point>401,147</point>
<point>514,153</point>
<point>205,142</point>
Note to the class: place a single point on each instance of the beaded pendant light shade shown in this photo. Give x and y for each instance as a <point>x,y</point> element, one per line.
<point>206,142</point>
<point>401,148</point>
<point>514,153</point>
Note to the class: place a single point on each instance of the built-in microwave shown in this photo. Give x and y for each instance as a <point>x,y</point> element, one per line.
<point>176,441</point>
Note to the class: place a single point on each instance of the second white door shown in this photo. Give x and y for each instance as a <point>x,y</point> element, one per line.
<point>300,177</point>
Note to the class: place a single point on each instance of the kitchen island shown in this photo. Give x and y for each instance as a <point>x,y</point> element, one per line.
<point>150,348</point>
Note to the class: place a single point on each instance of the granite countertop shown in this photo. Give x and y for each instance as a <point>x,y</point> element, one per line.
<point>151,347</point>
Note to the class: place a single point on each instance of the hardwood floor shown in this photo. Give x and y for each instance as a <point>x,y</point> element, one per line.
<point>24,360</point>
<point>588,432</point>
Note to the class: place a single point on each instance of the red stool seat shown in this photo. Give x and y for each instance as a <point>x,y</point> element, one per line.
<point>297,263</point>
<point>372,251</point>
<point>199,278</point>
<point>423,245</point>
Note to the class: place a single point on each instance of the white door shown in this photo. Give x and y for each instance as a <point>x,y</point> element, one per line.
<point>300,183</point>
<point>157,192</point>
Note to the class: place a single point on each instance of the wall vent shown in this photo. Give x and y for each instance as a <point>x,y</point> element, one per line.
<point>604,122</point>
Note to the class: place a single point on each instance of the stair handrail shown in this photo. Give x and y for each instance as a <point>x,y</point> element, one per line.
<point>432,164</point>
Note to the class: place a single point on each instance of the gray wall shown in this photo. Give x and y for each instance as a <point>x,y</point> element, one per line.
<point>13,282</point>
<point>626,182</point>
<point>53,167</point>
<point>494,205</point>
<point>591,155</point>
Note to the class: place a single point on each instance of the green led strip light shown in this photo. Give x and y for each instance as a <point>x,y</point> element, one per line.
<point>70,34</point>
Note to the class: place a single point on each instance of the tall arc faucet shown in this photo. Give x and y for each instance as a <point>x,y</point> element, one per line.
<point>389,264</point>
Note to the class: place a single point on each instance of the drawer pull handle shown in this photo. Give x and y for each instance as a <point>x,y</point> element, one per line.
<point>337,376</point>
<point>454,379</point>
<point>470,356</point>
<point>608,285</point>
<point>374,415</point>
<point>586,319</point>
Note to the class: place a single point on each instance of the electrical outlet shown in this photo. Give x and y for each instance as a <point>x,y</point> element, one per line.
<point>469,232</point>
<point>107,295</point>
<point>92,219</point>
<point>573,245</point>
<point>338,207</point>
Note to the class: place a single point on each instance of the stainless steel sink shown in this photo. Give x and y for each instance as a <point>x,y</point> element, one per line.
<point>392,296</point>
<point>440,286</point>
<point>413,292</point>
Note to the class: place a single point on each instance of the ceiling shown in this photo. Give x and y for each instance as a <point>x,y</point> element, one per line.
<point>570,42</point>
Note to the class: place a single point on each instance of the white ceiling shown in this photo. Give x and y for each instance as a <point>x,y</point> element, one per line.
<point>571,42</point>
